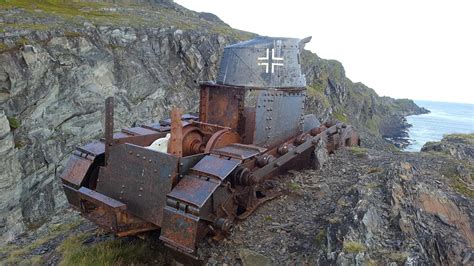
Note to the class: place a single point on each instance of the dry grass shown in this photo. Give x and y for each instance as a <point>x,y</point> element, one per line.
<point>112,252</point>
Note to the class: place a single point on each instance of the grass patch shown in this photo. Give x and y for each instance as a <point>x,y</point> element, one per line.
<point>341,117</point>
<point>3,47</point>
<point>373,170</point>
<point>72,34</point>
<point>462,188</point>
<point>18,255</point>
<point>358,151</point>
<point>294,186</point>
<point>398,256</point>
<point>334,220</point>
<point>451,172</point>
<point>111,252</point>
<point>353,247</point>
<point>320,238</point>
<point>22,41</point>
<point>56,7</point>
<point>268,218</point>
<point>27,26</point>
<point>14,123</point>
<point>343,203</point>
<point>372,185</point>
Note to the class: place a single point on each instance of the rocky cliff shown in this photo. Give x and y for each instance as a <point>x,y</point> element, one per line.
<point>59,60</point>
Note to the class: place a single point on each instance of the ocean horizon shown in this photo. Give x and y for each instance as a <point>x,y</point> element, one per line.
<point>444,118</point>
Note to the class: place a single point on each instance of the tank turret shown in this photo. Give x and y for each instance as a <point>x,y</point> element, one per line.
<point>263,62</point>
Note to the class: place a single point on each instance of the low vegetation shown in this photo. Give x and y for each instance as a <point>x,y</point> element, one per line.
<point>358,151</point>
<point>320,238</point>
<point>123,251</point>
<point>353,247</point>
<point>14,123</point>
<point>465,138</point>
<point>19,254</point>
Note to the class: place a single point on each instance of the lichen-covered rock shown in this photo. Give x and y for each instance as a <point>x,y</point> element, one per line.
<point>10,184</point>
<point>459,146</point>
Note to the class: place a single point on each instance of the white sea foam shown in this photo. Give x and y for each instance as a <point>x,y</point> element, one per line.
<point>445,118</point>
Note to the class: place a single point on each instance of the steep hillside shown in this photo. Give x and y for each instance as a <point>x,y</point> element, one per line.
<point>59,60</point>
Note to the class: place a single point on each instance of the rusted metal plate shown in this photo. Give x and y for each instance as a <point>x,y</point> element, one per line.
<point>221,106</point>
<point>239,151</point>
<point>109,126</point>
<point>249,128</point>
<point>95,148</point>
<point>140,178</point>
<point>72,196</point>
<point>193,190</point>
<point>214,166</point>
<point>186,163</point>
<point>100,199</point>
<point>175,145</point>
<point>180,230</point>
<point>138,131</point>
<point>75,171</point>
<point>279,116</point>
<point>121,135</point>
<point>144,140</point>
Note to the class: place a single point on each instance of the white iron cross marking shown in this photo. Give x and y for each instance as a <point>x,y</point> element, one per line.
<point>270,61</point>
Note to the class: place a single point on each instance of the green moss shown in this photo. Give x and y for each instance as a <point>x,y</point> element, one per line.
<point>72,34</point>
<point>358,151</point>
<point>320,238</point>
<point>112,252</point>
<point>294,186</point>
<point>268,218</point>
<point>450,171</point>
<point>353,247</point>
<point>343,203</point>
<point>398,256</point>
<point>22,41</point>
<point>3,47</point>
<point>334,220</point>
<point>14,123</point>
<point>341,117</point>
<point>28,26</point>
<point>372,185</point>
<point>462,188</point>
<point>317,92</point>
<point>374,170</point>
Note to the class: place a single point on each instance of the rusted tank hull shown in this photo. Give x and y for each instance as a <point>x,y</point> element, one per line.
<point>139,190</point>
<point>189,177</point>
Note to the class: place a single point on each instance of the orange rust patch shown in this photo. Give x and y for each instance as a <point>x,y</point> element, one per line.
<point>450,212</point>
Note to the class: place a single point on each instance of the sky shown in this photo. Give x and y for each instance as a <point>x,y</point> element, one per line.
<point>417,49</point>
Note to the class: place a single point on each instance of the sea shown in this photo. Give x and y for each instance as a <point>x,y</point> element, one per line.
<point>444,118</point>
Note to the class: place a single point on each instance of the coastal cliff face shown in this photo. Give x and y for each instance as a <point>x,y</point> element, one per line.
<point>58,62</point>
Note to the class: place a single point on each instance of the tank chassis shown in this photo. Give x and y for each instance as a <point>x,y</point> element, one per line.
<point>216,167</point>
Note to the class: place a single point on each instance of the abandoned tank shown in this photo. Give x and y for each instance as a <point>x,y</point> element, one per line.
<point>193,176</point>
